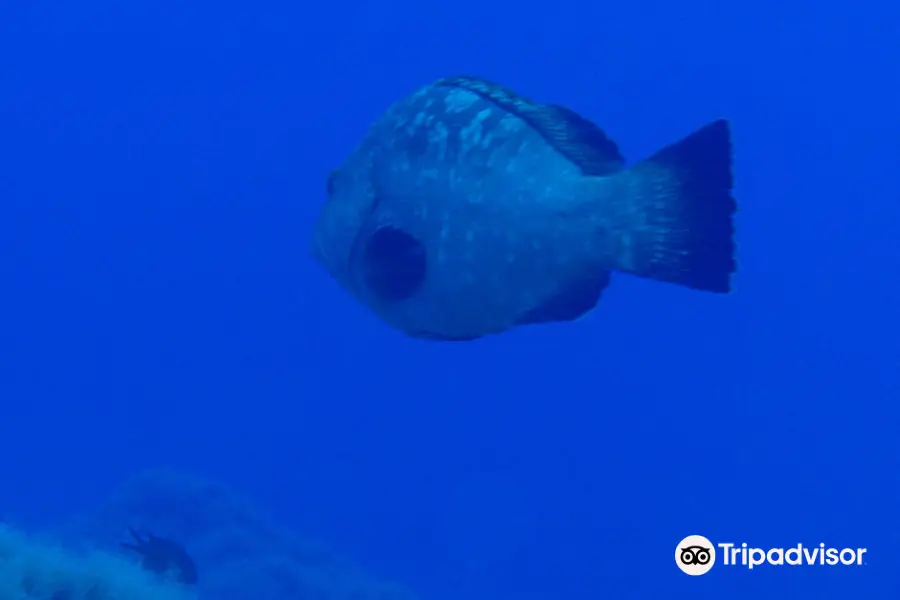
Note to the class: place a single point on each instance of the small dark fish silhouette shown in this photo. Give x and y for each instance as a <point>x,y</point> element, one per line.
<point>160,555</point>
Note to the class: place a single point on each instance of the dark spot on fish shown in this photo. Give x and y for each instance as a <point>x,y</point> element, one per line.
<point>160,555</point>
<point>394,264</point>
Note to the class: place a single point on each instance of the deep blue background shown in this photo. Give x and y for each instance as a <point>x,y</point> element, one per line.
<point>161,166</point>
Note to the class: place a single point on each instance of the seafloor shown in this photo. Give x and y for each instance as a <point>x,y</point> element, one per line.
<point>239,553</point>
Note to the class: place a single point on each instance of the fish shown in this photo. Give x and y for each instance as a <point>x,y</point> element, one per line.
<point>468,210</point>
<point>161,556</point>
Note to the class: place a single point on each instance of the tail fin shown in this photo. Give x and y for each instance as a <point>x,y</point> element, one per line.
<point>684,207</point>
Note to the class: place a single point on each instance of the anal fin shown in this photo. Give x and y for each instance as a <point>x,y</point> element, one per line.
<point>570,303</point>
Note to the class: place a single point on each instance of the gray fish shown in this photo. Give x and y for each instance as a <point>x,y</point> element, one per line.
<point>468,210</point>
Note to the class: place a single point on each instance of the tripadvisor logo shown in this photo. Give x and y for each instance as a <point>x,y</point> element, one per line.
<point>696,555</point>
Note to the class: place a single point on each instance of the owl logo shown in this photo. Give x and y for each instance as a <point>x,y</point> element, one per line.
<point>695,555</point>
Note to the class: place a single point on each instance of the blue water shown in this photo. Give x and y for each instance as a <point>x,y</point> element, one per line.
<point>161,167</point>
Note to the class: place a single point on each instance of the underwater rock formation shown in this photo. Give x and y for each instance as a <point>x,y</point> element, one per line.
<point>32,569</point>
<point>240,553</point>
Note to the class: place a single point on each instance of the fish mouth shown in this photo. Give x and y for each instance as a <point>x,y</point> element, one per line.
<point>353,266</point>
<point>319,253</point>
<point>393,264</point>
<point>386,265</point>
<point>340,266</point>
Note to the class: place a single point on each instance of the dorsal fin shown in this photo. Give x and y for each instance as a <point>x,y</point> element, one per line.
<point>570,303</point>
<point>573,136</point>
